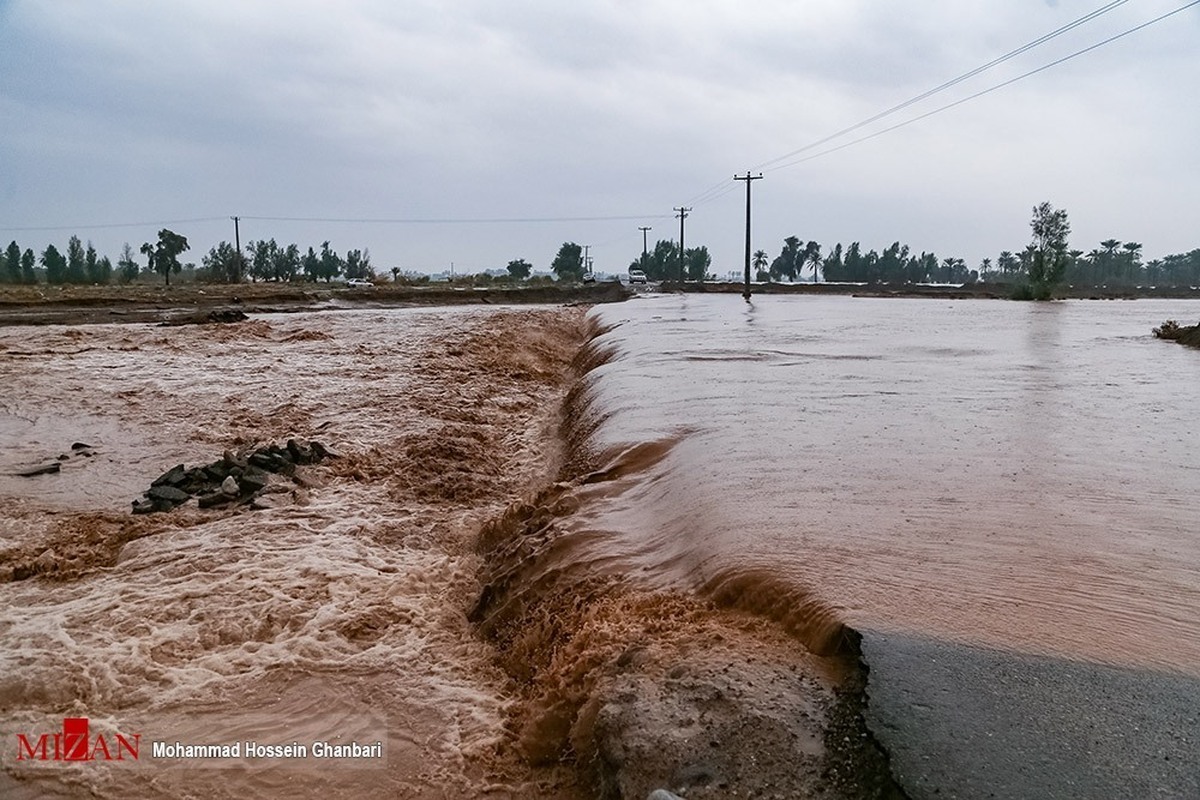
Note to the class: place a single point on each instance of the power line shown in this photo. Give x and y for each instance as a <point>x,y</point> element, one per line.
<point>456,220</point>
<point>950,83</point>
<point>989,90</point>
<point>113,225</point>
<point>722,188</point>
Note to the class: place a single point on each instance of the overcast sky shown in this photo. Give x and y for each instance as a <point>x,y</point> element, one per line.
<point>151,112</point>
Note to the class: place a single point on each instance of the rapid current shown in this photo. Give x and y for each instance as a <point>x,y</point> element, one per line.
<point>998,499</point>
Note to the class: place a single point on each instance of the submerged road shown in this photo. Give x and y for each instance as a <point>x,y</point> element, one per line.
<point>969,722</point>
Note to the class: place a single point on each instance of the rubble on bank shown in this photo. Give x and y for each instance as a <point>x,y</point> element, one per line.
<point>1184,334</point>
<point>235,478</point>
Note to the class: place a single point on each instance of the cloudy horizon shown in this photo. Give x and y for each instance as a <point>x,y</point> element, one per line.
<point>610,114</point>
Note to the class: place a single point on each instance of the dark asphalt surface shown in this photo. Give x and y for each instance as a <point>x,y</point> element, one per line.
<point>968,722</point>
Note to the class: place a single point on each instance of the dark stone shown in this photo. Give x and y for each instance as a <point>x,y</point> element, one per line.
<point>213,500</point>
<point>261,459</point>
<point>217,471</point>
<point>144,507</point>
<point>301,450</point>
<point>252,480</point>
<point>168,494</point>
<point>81,446</point>
<point>63,457</point>
<point>42,469</point>
<point>324,451</point>
<point>172,477</point>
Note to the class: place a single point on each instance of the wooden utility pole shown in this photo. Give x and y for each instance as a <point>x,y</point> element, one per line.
<point>748,178</point>
<point>683,212</point>
<point>643,229</point>
<point>237,243</point>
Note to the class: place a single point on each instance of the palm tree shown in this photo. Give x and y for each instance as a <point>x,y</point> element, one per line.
<point>1133,260</point>
<point>760,261</point>
<point>812,255</point>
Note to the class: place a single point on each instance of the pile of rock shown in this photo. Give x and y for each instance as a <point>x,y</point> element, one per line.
<point>235,478</point>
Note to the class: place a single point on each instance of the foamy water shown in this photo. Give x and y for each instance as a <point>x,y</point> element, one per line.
<point>337,616</point>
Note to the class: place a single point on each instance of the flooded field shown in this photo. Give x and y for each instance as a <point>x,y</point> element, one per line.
<point>580,554</point>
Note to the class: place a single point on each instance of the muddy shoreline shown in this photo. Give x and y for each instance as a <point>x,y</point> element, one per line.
<point>195,303</point>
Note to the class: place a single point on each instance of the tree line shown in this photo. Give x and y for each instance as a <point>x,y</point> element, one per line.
<point>263,260</point>
<point>1113,263</point>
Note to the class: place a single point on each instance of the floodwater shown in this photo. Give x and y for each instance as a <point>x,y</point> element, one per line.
<point>1018,476</point>
<point>1003,477</point>
<point>338,615</point>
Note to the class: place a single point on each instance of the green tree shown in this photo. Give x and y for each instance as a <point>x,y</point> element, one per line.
<point>55,265</point>
<point>331,262</point>
<point>519,269</point>
<point>787,263</point>
<point>164,256</point>
<point>812,256</point>
<point>697,261</point>
<point>28,261</point>
<point>759,261</point>
<point>285,263</point>
<point>1048,250</point>
<point>310,265</point>
<point>223,263</point>
<point>104,271</point>
<point>12,263</point>
<point>1132,261</point>
<point>358,264</point>
<point>568,264</point>
<point>831,266</point>
<point>91,264</point>
<point>127,266</point>
<point>76,261</point>
<point>660,264</point>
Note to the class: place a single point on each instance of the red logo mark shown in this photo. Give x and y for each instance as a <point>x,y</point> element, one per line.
<point>75,743</point>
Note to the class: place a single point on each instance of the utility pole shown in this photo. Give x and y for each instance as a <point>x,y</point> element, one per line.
<point>748,178</point>
<point>587,260</point>
<point>683,212</point>
<point>643,229</point>
<point>237,242</point>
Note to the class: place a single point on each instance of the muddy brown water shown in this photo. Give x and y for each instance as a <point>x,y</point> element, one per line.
<point>1001,474</point>
<point>1010,476</point>
<point>338,616</point>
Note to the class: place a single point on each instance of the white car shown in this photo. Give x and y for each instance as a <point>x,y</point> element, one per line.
<point>356,282</point>
<point>637,276</point>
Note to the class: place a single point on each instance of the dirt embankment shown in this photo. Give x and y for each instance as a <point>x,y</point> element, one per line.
<point>1184,334</point>
<point>181,304</point>
<point>622,691</point>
